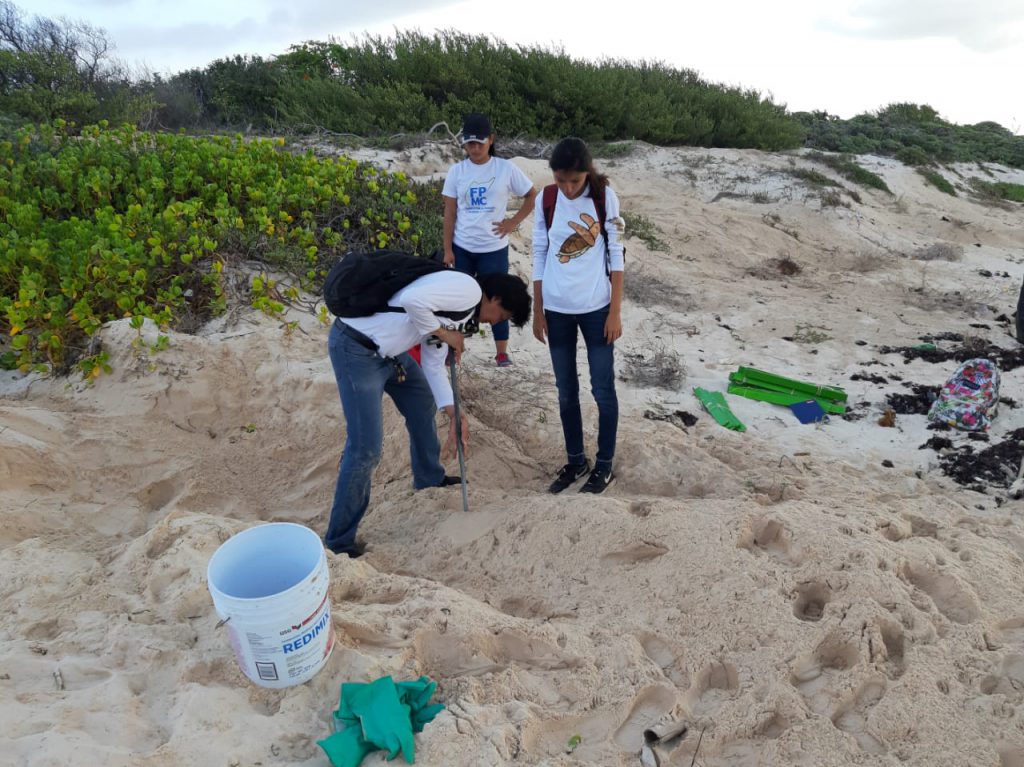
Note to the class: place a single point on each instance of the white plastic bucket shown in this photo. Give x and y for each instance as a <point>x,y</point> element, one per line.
<point>270,584</point>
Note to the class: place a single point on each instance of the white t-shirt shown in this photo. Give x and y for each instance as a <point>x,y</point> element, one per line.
<point>396,332</point>
<point>481,193</point>
<point>573,271</point>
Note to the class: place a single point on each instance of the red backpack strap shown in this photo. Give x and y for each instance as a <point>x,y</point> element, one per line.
<point>548,203</point>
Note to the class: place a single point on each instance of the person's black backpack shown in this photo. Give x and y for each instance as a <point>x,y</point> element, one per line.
<point>361,284</point>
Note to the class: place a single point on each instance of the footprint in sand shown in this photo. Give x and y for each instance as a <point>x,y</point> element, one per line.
<point>851,716</point>
<point>295,748</point>
<point>772,537</point>
<point>1012,631</point>
<point>158,495</point>
<point>549,737</point>
<point>531,607</point>
<point>641,509</point>
<point>713,685</point>
<point>894,641</point>
<point>529,652</point>
<point>773,726</point>
<point>634,553</point>
<point>1008,680</point>
<point>811,598</point>
<point>366,636</point>
<point>896,529</point>
<point>43,630</point>
<point>664,657</point>
<point>446,655</point>
<point>388,595</point>
<point>812,674</point>
<point>219,672</point>
<point>650,706</point>
<point>161,538</point>
<point>948,595</point>
<point>921,527</point>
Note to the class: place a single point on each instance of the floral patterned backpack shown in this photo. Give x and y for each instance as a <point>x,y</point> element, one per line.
<point>969,399</point>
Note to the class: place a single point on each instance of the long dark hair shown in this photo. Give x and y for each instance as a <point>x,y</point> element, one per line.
<point>572,154</point>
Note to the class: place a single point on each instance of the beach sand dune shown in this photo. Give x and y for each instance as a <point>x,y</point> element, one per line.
<point>788,596</point>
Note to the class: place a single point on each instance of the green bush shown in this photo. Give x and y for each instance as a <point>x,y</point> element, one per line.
<point>812,177</point>
<point>1012,192</point>
<point>644,229</point>
<point>912,155</point>
<point>118,223</point>
<point>380,86</point>
<point>916,129</point>
<point>937,180</point>
<point>847,168</point>
<point>1001,190</point>
<point>61,69</point>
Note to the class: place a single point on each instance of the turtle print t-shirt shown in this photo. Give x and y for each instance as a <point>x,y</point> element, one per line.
<point>570,258</point>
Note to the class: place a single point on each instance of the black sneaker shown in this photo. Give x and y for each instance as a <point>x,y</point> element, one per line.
<point>567,475</point>
<point>449,480</point>
<point>598,481</point>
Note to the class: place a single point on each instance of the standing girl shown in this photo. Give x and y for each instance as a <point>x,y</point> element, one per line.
<point>476,194</point>
<point>577,280</point>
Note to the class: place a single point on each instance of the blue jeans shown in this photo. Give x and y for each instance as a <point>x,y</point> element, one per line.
<point>495,262</point>
<point>363,377</point>
<point>562,334</point>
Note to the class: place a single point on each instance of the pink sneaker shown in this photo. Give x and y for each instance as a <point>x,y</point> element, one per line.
<point>503,360</point>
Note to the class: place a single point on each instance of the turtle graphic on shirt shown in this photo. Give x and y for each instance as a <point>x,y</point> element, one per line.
<point>583,240</point>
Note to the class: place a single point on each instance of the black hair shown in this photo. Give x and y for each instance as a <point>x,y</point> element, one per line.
<point>511,291</point>
<point>571,153</point>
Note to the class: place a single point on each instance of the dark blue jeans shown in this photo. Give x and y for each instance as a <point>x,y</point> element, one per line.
<point>495,262</point>
<point>562,335</point>
<point>363,377</point>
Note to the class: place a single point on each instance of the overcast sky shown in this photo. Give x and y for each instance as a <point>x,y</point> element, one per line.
<point>844,56</point>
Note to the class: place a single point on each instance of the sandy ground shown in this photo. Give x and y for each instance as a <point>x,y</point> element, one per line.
<point>788,596</point>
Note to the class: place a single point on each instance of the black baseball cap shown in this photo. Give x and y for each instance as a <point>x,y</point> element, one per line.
<point>476,127</point>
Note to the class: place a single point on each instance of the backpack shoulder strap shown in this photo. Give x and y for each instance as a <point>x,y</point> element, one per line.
<point>548,203</point>
<point>599,205</point>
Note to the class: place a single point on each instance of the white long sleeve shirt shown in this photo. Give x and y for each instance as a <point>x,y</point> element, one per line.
<point>397,332</point>
<point>572,271</point>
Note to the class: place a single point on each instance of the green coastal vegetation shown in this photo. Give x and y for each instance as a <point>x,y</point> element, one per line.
<point>129,195</point>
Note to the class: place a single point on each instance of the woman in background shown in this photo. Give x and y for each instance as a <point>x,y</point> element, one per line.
<point>476,193</point>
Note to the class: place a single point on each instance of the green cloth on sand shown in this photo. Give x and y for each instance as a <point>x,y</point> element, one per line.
<point>768,387</point>
<point>381,715</point>
<point>714,402</point>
